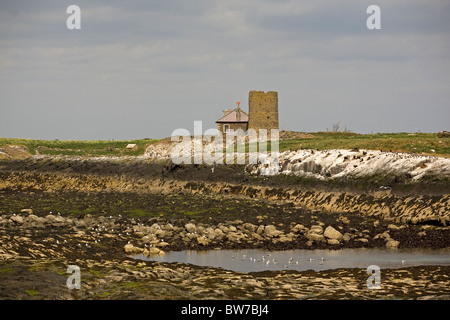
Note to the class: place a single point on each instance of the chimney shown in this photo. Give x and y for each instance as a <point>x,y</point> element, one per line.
<point>238,111</point>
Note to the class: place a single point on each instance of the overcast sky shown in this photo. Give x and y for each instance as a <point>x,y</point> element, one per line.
<point>141,69</point>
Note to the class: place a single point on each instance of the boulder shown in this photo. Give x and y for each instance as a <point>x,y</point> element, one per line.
<point>161,233</point>
<point>260,230</point>
<point>316,229</point>
<point>218,233</point>
<point>270,229</point>
<point>79,223</point>
<point>202,241</point>
<point>163,244</point>
<point>147,239</point>
<point>155,251</point>
<point>392,244</point>
<point>314,236</point>
<point>190,227</point>
<point>129,248</point>
<point>17,219</point>
<point>250,227</point>
<point>443,134</point>
<point>298,228</point>
<point>332,233</point>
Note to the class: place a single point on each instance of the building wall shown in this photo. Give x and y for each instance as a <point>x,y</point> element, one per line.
<point>263,110</point>
<point>232,125</point>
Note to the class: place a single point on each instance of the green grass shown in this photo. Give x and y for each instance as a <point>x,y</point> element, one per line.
<point>395,142</point>
<point>32,292</point>
<point>81,148</point>
<point>421,143</point>
<point>136,213</point>
<point>6,270</point>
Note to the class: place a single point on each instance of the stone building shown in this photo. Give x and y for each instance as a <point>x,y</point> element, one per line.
<point>263,113</point>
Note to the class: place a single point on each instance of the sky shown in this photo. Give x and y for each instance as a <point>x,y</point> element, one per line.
<point>141,69</point>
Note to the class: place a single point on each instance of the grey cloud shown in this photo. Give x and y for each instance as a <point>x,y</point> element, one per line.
<point>145,68</point>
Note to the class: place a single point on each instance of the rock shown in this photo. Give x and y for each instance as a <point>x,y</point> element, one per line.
<point>343,220</point>
<point>79,223</point>
<point>17,219</point>
<point>333,241</point>
<point>29,211</point>
<point>33,218</point>
<point>314,236</point>
<point>316,229</point>
<point>392,244</point>
<point>346,237</point>
<point>363,240</point>
<point>129,248</point>
<point>147,239</point>
<point>202,240</point>
<point>154,251</point>
<point>298,228</point>
<point>443,134</point>
<point>218,233</point>
<point>161,233</point>
<point>190,227</point>
<point>393,227</point>
<point>385,235</point>
<point>250,227</point>
<point>332,233</point>
<point>232,229</point>
<point>270,230</point>
<point>260,230</point>
<point>131,147</point>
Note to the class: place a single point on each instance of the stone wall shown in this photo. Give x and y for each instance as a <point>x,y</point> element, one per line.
<point>263,110</point>
<point>232,125</point>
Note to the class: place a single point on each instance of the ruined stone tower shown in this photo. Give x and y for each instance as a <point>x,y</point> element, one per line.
<point>263,110</point>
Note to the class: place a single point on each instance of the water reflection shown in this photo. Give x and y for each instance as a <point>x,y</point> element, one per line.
<point>249,260</point>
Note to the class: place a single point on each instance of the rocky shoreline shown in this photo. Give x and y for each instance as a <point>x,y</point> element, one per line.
<point>97,215</point>
<point>42,247</point>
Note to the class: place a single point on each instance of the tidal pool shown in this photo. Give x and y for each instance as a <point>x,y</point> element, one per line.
<point>252,260</point>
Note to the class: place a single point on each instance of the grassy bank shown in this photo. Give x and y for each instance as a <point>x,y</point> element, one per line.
<point>419,143</point>
<point>80,148</point>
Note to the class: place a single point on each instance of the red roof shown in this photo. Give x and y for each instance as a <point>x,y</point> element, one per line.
<point>231,116</point>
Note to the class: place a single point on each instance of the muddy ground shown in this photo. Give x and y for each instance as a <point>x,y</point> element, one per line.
<point>85,212</point>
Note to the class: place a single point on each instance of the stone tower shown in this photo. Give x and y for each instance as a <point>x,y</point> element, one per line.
<point>263,110</point>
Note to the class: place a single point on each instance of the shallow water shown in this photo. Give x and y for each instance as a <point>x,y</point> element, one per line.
<point>251,260</point>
